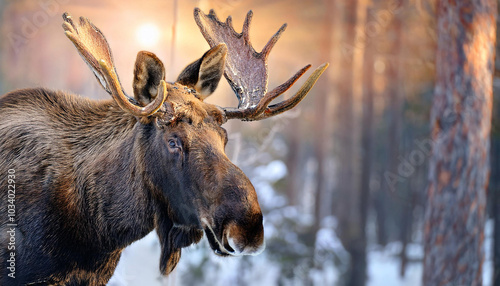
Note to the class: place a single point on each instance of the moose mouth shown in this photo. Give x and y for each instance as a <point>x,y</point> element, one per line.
<point>220,249</point>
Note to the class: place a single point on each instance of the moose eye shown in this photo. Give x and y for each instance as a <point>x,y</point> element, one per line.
<point>172,143</point>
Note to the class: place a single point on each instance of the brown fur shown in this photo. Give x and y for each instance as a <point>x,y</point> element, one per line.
<point>91,179</point>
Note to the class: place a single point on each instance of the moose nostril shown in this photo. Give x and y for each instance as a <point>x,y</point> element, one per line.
<point>229,248</point>
<point>245,250</point>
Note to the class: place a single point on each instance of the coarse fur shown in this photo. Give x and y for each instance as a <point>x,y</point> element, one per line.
<point>90,179</point>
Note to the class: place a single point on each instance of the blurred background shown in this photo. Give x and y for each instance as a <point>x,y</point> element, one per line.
<point>341,179</point>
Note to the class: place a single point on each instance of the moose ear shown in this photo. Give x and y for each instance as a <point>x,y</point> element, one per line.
<point>204,74</point>
<point>148,73</point>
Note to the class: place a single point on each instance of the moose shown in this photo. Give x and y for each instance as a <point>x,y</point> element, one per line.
<point>87,178</point>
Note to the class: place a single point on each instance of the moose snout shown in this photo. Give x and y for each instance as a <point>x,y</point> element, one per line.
<point>236,227</point>
<point>234,223</point>
<point>245,239</point>
<point>243,235</point>
<point>244,231</point>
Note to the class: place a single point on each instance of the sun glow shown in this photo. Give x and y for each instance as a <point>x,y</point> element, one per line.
<point>148,35</point>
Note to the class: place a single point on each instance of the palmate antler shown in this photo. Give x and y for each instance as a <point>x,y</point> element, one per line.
<point>246,69</point>
<point>94,49</point>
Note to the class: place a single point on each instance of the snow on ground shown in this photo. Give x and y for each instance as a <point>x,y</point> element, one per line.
<point>139,264</point>
<point>140,261</point>
<point>383,264</point>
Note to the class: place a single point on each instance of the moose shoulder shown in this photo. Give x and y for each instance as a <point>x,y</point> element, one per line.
<point>94,176</point>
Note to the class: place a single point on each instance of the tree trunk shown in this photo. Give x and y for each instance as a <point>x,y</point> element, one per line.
<point>389,190</point>
<point>352,233</point>
<point>293,163</point>
<point>495,203</point>
<point>495,169</point>
<point>461,123</point>
<point>366,150</point>
<point>321,130</point>
<point>415,185</point>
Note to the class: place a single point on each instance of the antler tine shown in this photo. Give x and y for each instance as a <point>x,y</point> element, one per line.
<point>268,47</point>
<point>246,69</point>
<point>252,113</point>
<point>212,13</point>
<point>246,27</point>
<point>290,103</point>
<point>123,100</point>
<point>94,49</point>
<point>90,43</point>
<point>262,110</point>
<point>229,22</point>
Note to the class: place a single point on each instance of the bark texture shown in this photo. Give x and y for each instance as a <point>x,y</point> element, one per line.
<point>494,184</point>
<point>461,123</point>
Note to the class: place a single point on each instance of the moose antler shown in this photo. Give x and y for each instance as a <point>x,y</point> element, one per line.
<point>246,69</point>
<point>94,49</point>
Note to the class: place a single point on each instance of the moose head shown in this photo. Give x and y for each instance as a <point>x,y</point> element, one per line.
<point>181,142</point>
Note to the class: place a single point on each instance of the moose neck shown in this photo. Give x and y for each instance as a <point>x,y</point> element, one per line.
<point>114,196</point>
